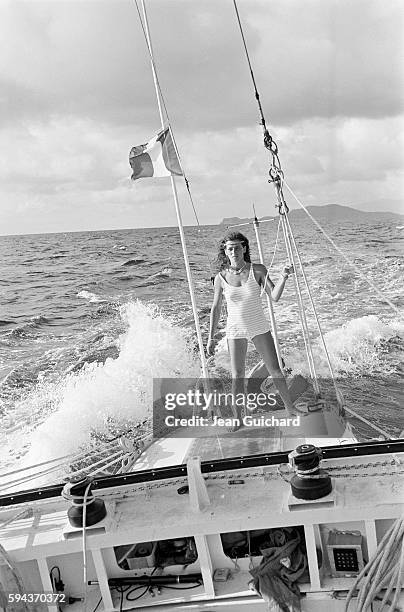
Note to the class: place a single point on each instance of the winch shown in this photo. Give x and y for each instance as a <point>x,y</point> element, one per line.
<point>78,491</point>
<point>309,481</point>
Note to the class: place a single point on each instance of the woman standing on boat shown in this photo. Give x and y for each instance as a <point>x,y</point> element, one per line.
<point>242,284</point>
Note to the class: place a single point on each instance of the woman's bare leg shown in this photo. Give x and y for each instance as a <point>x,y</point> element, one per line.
<point>265,346</point>
<point>238,351</point>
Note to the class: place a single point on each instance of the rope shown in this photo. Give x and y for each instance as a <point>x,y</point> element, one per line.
<point>30,477</point>
<point>375,427</point>
<point>27,512</point>
<point>55,468</point>
<point>302,314</point>
<point>273,257</point>
<point>251,562</point>
<point>399,579</point>
<point>276,244</point>
<point>85,546</point>
<point>104,467</point>
<point>71,457</point>
<point>380,568</point>
<point>336,247</point>
<point>24,469</point>
<point>26,479</point>
<point>337,390</point>
<point>83,503</point>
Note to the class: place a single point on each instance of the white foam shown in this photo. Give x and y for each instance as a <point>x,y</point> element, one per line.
<point>354,348</point>
<point>120,389</point>
<point>91,297</point>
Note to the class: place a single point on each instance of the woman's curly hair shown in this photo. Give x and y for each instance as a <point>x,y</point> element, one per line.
<point>222,259</point>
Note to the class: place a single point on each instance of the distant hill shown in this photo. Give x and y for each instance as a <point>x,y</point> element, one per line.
<point>236,220</point>
<point>333,212</point>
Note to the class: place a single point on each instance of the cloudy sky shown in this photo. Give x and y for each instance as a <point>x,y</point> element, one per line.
<point>76,93</point>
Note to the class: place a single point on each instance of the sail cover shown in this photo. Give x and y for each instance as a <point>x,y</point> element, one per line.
<point>156,158</point>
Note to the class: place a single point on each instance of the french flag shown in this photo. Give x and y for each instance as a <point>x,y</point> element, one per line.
<point>156,158</point>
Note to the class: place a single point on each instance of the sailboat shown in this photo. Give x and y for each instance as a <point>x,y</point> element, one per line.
<point>179,528</point>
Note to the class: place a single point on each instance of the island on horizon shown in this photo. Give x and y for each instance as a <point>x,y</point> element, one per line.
<point>330,212</point>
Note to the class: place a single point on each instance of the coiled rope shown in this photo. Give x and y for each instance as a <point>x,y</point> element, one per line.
<point>382,569</point>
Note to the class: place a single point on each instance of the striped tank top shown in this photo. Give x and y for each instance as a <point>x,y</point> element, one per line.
<point>245,315</point>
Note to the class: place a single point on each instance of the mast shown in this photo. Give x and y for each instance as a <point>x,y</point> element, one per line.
<point>176,204</point>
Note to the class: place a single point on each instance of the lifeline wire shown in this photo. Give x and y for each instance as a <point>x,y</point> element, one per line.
<point>60,464</point>
<point>70,458</point>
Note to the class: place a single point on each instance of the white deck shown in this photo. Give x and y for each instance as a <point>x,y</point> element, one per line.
<point>155,511</point>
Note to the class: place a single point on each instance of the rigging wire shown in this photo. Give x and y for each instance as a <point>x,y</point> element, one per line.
<point>276,176</point>
<point>257,96</point>
<point>336,247</point>
<point>211,266</point>
<point>275,171</point>
<point>276,245</point>
<point>300,304</point>
<point>337,390</point>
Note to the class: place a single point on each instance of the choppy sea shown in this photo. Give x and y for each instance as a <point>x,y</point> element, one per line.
<point>87,320</point>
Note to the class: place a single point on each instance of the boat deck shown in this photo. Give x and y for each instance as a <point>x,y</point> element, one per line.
<point>367,496</point>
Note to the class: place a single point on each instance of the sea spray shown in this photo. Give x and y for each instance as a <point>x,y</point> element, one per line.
<point>357,348</point>
<point>120,389</point>
<point>38,367</point>
<point>91,297</point>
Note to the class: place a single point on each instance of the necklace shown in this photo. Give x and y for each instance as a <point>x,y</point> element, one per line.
<point>239,271</point>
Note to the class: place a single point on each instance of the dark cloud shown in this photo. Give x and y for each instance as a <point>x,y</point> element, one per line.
<point>312,59</point>
<point>76,93</point>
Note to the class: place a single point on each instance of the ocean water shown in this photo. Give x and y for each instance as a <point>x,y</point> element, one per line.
<point>87,320</point>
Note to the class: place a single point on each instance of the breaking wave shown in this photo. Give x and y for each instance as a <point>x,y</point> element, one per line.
<point>119,389</point>
<point>357,348</point>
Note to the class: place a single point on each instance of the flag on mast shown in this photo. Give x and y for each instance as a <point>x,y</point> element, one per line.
<point>157,157</point>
